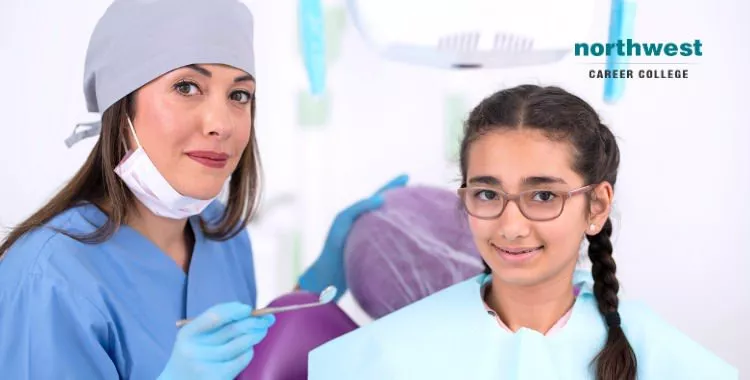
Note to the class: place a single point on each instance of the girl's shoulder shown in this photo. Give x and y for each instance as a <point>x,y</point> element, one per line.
<point>664,351</point>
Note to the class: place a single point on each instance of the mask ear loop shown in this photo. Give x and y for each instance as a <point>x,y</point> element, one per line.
<point>132,130</point>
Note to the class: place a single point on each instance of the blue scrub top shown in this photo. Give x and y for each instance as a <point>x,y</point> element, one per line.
<point>70,310</point>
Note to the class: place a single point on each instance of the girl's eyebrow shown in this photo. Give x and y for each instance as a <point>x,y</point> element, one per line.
<point>527,181</point>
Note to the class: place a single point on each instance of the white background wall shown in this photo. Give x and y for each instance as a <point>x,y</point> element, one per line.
<point>683,186</point>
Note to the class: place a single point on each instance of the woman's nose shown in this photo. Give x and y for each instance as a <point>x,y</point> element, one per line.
<point>217,120</point>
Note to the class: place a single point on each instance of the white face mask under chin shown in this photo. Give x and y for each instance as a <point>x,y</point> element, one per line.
<point>152,189</point>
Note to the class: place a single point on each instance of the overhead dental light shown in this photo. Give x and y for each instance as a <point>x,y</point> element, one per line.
<point>473,33</point>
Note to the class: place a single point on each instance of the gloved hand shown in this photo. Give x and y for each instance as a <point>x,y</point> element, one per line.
<point>328,269</point>
<point>218,344</point>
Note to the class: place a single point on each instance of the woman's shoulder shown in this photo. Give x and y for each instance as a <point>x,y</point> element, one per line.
<point>664,351</point>
<point>47,250</point>
<point>48,294</point>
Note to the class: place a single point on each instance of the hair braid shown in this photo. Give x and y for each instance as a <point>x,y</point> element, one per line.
<point>616,361</point>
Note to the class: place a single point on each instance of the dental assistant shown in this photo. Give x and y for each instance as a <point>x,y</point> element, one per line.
<point>92,284</point>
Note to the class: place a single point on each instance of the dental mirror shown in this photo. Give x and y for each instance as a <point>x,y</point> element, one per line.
<point>326,296</point>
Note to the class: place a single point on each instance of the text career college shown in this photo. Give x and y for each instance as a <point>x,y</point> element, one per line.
<point>643,74</point>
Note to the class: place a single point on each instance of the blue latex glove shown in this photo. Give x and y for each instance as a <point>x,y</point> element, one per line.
<point>328,269</point>
<point>218,344</point>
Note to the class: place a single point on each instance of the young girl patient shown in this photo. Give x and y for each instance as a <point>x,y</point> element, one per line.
<point>538,174</point>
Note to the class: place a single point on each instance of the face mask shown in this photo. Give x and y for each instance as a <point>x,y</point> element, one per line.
<point>152,189</point>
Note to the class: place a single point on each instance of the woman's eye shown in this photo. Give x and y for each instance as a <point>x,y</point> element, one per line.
<point>544,196</point>
<point>241,96</point>
<point>187,88</point>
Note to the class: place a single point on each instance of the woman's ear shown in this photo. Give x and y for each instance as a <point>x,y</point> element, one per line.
<point>601,205</point>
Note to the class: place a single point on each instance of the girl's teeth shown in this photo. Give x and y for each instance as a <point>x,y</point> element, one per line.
<point>521,252</point>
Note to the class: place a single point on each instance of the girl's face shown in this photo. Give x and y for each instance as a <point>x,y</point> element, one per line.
<point>519,250</point>
<point>195,123</point>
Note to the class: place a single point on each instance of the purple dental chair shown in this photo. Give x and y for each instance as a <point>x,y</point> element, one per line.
<point>282,355</point>
<point>416,244</point>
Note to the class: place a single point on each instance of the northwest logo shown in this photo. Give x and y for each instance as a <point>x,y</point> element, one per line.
<point>630,48</point>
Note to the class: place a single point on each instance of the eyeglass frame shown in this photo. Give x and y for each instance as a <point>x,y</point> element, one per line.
<point>515,198</point>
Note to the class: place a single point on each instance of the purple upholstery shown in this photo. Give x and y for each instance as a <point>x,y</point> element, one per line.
<point>414,245</point>
<point>282,355</point>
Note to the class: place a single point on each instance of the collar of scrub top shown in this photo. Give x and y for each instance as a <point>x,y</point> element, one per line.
<point>97,218</point>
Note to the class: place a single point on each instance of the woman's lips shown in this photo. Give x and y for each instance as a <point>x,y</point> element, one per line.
<point>211,159</point>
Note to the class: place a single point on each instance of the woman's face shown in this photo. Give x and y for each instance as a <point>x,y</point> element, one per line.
<point>194,123</point>
<point>521,251</point>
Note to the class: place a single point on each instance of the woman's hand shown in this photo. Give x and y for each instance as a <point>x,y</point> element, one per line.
<point>218,344</point>
<point>328,269</point>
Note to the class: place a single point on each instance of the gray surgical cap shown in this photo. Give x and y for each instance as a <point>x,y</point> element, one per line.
<point>137,41</point>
